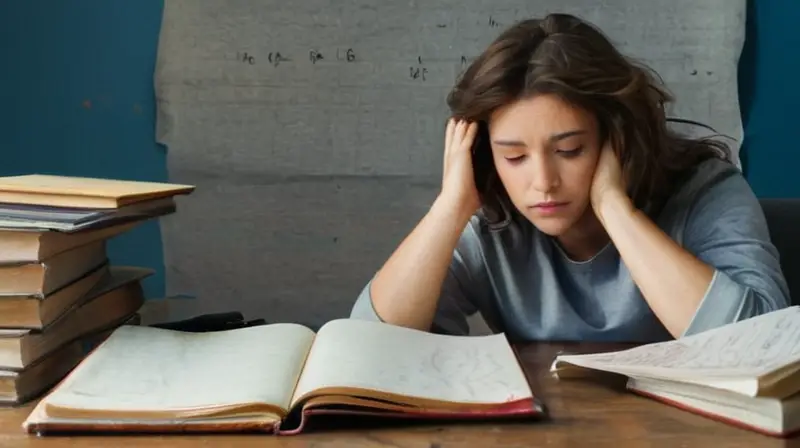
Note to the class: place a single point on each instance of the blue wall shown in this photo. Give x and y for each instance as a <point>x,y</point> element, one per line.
<point>770,94</point>
<point>77,83</point>
<point>77,98</point>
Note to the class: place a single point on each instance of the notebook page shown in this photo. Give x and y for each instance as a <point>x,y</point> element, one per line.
<point>151,369</point>
<point>749,348</point>
<point>377,356</point>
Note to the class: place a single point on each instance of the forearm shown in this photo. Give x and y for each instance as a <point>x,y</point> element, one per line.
<point>671,279</point>
<point>406,289</point>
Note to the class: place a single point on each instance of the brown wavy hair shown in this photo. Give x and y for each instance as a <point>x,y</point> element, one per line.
<point>563,55</point>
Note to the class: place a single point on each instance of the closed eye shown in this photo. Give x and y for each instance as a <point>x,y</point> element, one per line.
<point>569,153</point>
<point>515,159</point>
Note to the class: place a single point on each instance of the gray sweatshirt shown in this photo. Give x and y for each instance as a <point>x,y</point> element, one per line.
<point>523,284</point>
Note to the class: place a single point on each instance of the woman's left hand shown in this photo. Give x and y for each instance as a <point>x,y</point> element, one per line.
<point>608,180</point>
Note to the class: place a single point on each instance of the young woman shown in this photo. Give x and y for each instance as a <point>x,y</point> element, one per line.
<point>569,210</point>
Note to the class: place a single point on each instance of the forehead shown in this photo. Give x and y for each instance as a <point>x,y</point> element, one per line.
<point>541,115</point>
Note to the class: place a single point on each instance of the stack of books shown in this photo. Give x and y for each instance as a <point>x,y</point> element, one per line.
<point>59,293</point>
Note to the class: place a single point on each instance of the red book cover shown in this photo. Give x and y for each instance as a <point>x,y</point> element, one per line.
<point>714,416</point>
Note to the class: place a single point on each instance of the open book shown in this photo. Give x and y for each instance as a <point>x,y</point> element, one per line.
<point>746,374</point>
<point>273,377</point>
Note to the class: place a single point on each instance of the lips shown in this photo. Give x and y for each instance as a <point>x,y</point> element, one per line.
<point>551,204</point>
<point>550,208</point>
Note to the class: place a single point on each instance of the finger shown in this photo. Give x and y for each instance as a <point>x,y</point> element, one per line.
<point>454,139</point>
<point>469,136</point>
<point>448,133</point>
<point>458,134</point>
<point>448,142</point>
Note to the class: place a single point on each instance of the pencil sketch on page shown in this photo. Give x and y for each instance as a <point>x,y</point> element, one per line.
<point>142,368</point>
<point>379,357</point>
<point>465,368</point>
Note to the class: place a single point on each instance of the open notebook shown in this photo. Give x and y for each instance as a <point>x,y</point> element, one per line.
<point>273,377</point>
<point>746,374</point>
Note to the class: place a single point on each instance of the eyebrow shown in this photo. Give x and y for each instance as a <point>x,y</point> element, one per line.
<point>553,138</point>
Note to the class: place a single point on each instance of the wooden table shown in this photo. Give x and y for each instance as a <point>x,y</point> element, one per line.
<point>582,413</point>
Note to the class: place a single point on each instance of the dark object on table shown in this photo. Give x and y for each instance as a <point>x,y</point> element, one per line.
<point>210,322</point>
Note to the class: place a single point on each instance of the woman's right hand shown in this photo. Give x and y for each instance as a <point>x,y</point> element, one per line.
<point>458,182</point>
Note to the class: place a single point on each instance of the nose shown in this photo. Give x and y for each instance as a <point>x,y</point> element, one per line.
<point>545,177</point>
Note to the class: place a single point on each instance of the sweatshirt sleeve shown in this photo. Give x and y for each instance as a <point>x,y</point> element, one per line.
<point>456,303</point>
<point>726,228</point>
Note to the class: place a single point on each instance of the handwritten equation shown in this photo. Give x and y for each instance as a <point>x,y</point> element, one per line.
<point>275,58</point>
<point>418,70</point>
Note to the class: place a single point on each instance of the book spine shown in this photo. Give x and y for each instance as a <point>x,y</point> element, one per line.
<point>299,420</point>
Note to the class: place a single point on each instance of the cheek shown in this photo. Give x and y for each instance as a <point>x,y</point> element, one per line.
<point>512,176</point>
<point>580,173</point>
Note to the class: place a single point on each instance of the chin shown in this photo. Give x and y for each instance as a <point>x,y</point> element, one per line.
<point>552,227</point>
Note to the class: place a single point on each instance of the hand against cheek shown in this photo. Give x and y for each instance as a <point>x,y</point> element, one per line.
<point>608,180</point>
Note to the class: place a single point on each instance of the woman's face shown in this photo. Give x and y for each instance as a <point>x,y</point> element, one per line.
<point>545,152</point>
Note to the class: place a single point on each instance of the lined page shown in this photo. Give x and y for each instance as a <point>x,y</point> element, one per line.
<point>151,369</point>
<point>382,357</point>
